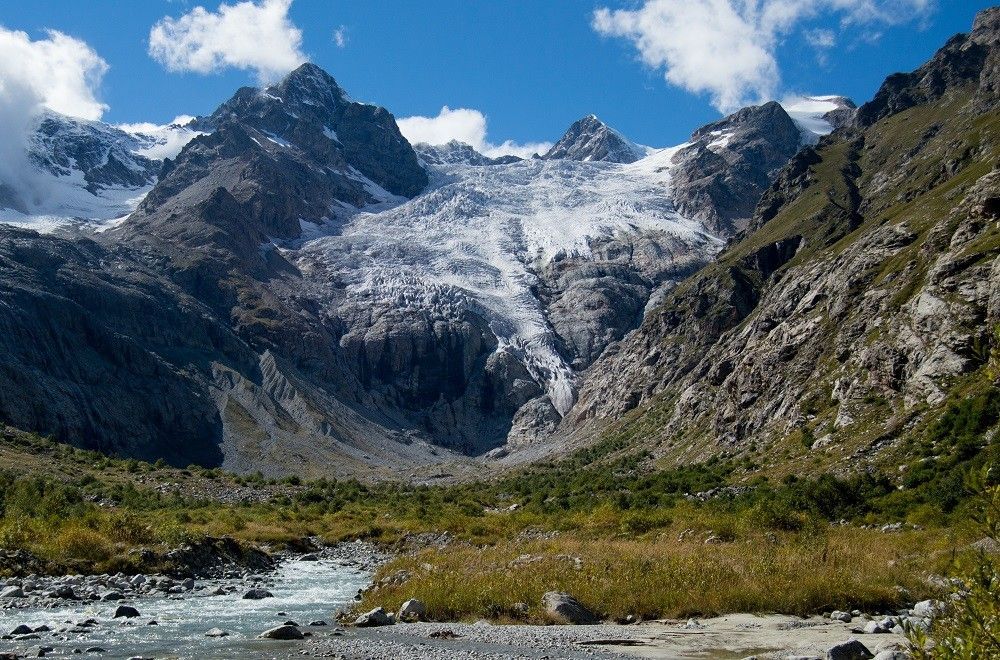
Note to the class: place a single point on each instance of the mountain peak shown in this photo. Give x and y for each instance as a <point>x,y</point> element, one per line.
<point>308,84</point>
<point>590,139</point>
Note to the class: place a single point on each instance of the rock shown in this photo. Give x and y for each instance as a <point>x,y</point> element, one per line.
<point>63,591</point>
<point>112,596</point>
<point>12,592</point>
<point>892,654</point>
<point>312,556</point>
<point>849,650</point>
<point>316,624</point>
<point>21,630</point>
<point>376,618</point>
<point>257,594</point>
<point>412,610</point>
<point>96,649</point>
<point>564,608</point>
<point>216,632</point>
<point>875,628</point>
<point>126,611</point>
<point>188,584</point>
<point>290,623</point>
<point>837,615</point>
<point>927,608</point>
<point>283,633</point>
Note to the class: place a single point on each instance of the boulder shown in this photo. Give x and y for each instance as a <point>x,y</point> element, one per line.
<point>283,632</point>
<point>21,630</point>
<point>412,610</point>
<point>112,596</point>
<point>216,632</point>
<point>63,591</point>
<point>875,628</point>
<point>12,592</point>
<point>837,615</point>
<point>849,650</point>
<point>927,608</point>
<point>892,654</point>
<point>564,608</point>
<point>375,618</point>
<point>257,594</point>
<point>126,611</point>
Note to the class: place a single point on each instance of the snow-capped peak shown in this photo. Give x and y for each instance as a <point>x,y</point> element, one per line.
<point>590,139</point>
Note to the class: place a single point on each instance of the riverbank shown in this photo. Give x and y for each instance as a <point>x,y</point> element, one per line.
<point>723,638</point>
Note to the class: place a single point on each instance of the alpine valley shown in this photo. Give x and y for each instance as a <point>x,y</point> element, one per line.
<point>733,398</point>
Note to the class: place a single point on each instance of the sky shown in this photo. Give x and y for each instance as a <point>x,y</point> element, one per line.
<point>506,76</point>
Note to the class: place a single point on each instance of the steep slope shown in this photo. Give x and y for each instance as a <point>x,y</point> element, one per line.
<point>861,297</point>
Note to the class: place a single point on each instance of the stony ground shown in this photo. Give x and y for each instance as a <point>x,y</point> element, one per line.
<point>734,636</point>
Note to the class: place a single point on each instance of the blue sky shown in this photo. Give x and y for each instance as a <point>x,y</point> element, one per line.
<point>530,66</point>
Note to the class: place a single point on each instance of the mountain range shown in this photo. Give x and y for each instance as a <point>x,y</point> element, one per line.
<point>288,285</point>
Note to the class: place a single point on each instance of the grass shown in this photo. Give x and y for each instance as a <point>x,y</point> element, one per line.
<point>621,535</point>
<point>673,575</point>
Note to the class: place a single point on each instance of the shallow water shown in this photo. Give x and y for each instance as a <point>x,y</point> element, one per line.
<point>305,591</point>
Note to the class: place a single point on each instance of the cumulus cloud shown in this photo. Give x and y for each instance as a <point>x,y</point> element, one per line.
<point>727,48</point>
<point>465,125</point>
<point>253,36</point>
<point>57,72</point>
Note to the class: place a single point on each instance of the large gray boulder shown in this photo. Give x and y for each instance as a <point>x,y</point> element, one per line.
<point>563,608</point>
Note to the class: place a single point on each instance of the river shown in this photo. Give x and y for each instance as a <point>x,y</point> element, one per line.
<point>304,591</point>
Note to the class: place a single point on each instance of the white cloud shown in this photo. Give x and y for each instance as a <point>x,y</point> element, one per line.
<point>340,36</point>
<point>257,36</point>
<point>58,72</point>
<point>820,38</point>
<point>464,125</point>
<point>726,48</point>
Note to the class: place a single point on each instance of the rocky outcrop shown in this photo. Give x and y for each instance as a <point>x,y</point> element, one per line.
<point>721,176</point>
<point>967,59</point>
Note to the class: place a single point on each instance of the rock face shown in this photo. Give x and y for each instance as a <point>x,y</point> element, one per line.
<point>590,139</point>
<point>864,285</point>
<point>721,176</point>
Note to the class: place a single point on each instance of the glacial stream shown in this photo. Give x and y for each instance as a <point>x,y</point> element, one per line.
<point>304,591</point>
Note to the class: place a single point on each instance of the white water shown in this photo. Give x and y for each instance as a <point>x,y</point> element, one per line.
<point>304,591</point>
